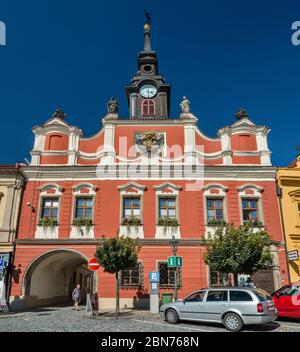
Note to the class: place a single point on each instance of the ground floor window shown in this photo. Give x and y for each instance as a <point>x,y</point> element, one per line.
<point>167,275</point>
<point>219,279</point>
<point>132,277</point>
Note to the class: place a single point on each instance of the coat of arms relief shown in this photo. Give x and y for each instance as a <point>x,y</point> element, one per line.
<point>150,143</point>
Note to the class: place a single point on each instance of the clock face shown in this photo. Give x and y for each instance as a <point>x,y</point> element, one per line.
<point>148,91</point>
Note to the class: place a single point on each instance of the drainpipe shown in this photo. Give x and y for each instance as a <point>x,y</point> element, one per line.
<point>279,195</point>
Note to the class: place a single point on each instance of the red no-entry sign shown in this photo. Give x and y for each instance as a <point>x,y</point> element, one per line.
<point>93,264</point>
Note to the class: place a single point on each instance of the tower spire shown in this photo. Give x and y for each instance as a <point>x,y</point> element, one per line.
<point>147,27</point>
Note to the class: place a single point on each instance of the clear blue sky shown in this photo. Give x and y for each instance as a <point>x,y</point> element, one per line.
<point>222,54</point>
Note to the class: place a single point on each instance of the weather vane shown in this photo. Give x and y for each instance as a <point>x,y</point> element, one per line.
<point>148,18</point>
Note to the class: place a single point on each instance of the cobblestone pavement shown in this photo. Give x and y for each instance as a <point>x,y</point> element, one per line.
<point>65,319</point>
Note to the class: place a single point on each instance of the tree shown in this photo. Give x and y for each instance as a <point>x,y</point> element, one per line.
<point>238,250</point>
<point>116,254</point>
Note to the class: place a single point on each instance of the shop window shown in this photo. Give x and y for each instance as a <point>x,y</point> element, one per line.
<point>167,276</point>
<point>219,279</point>
<point>132,277</point>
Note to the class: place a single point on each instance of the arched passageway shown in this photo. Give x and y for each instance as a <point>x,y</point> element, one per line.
<point>51,278</point>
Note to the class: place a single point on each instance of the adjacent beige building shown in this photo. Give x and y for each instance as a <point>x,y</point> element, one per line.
<point>11,188</point>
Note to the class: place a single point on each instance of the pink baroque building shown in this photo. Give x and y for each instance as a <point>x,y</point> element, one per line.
<point>148,176</point>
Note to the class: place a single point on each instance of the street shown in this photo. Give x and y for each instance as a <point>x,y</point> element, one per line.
<point>64,319</point>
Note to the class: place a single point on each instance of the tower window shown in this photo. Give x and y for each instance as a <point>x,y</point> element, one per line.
<point>148,108</point>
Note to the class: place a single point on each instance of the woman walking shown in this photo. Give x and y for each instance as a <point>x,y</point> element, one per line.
<point>76,295</point>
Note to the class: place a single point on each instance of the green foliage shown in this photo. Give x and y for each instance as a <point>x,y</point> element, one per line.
<point>238,250</point>
<point>253,223</point>
<point>214,222</point>
<point>47,221</point>
<point>132,221</point>
<point>80,222</point>
<point>165,221</point>
<point>116,254</point>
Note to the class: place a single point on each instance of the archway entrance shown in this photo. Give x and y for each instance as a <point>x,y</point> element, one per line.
<point>51,278</point>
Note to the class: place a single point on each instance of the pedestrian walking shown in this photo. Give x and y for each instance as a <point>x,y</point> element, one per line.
<point>76,295</point>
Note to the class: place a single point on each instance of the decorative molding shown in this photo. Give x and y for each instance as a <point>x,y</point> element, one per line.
<point>130,185</point>
<point>250,186</point>
<point>165,185</point>
<point>46,187</point>
<point>215,186</point>
<point>88,185</point>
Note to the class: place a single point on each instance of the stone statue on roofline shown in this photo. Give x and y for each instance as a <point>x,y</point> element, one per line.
<point>112,109</point>
<point>186,110</point>
<point>241,114</point>
<point>185,105</point>
<point>113,106</point>
<point>58,113</point>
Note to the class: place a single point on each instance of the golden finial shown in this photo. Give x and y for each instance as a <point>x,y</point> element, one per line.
<point>147,24</point>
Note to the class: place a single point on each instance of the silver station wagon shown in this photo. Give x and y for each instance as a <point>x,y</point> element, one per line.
<point>233,307</point>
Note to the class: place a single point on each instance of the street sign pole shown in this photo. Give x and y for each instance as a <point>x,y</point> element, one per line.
<point>175,284</point>
<point>154,292</point>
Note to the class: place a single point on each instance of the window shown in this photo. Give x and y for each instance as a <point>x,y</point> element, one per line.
<point>217,296</point>
<point>167,207</point>
<point>262,295</point>
<point>132,277</point>
<point>214,209</point>
<point>219,279</point>
<point>290,290</point>
<point>84,208</point>
<point>167,275</point>
<point>148,108</point>
<point>240,296</point>
<point>299,209</point>
<point>131,207</point>
<point>195,297</point>
<point>250,210</point>
<point>50,208</point>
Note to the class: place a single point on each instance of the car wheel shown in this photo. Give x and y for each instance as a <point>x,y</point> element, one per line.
<point>233,322</point>
<point>172,316</point>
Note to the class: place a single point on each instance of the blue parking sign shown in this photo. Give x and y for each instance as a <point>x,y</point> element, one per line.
<point>154,276</point>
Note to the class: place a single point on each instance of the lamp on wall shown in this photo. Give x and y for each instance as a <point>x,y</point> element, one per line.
<point>31,206</point>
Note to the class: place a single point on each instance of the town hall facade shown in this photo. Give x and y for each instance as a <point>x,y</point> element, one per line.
<point>149,176</point>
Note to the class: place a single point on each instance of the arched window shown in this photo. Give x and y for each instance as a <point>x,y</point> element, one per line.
<point>148,108</point>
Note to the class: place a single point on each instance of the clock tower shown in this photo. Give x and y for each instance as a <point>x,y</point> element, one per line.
<point>148,94</point>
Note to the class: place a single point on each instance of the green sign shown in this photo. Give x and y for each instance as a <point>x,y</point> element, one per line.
<point>179,261</point>
<point>174,261</point>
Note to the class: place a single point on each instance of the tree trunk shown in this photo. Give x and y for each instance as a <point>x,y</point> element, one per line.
<point>235,279</point>
<point>117,295</point>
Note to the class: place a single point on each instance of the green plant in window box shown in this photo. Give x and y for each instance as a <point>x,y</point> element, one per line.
<point>83,222</point>
<point>214,222</point>
<point>165,221</point>
<point>47,221</point>
<point>253,223</point>
<point>131,221</point>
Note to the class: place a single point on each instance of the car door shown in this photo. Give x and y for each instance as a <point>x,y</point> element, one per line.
<point>214,305</point>
<point>283,301</point>
<point>192,306</point>
<point>287,301</point>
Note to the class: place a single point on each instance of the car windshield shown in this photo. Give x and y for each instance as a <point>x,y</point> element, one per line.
<point>262,295</point>
<point>290,290</point>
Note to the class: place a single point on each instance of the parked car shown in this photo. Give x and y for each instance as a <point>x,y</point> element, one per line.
<point>233,307</point>
<point>287,300</point>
